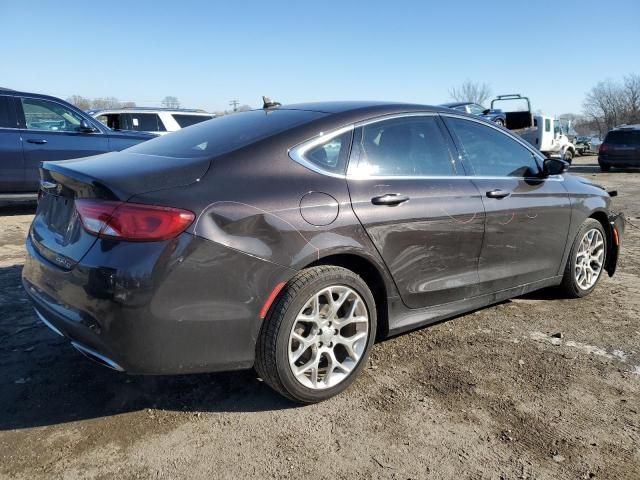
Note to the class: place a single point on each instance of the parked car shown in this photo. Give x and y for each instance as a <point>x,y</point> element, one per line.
<point>289,238</point>
<point>620,148</point>
<point>496,116</point>
<point>583,145</point>
<point>35,128</point>
<point>154,120</point>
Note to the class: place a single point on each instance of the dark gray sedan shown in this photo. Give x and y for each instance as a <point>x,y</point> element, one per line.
<point>289,238</point>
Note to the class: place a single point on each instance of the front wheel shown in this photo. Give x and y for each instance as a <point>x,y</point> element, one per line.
<point>317,335</point>
<point>586,260</point>
<point>500,122</point>
<point>604,167</point>
<point>568,156</point>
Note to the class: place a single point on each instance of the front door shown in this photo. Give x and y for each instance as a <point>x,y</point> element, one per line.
<point>527,215</point>
<point>51,131</point>
<point>425,219</point>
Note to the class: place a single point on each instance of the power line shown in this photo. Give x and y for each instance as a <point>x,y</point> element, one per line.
<point>234,104</point>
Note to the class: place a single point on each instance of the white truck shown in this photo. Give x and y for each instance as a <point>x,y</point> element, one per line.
<point>547,134</point>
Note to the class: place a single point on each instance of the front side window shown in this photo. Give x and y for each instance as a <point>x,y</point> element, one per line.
<point>46,115</point>
<point>491,153</point>
<point>411,146</point>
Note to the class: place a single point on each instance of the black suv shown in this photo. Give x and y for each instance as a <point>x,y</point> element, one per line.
<point>621,148</point>
<point>36,128</point>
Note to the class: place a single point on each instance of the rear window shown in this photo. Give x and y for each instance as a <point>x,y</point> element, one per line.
<point>145,122</point>
<point>623,137</point>
<point>224,134</point>
<point>188,120</point>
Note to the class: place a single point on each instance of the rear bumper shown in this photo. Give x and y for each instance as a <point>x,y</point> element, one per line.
<point>181,306</point>
<point>619,161</point>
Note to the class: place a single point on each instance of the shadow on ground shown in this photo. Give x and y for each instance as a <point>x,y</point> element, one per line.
<point>44,381</point>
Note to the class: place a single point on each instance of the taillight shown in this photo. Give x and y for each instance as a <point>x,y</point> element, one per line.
<point>603,148</point>
<point>132,221</point>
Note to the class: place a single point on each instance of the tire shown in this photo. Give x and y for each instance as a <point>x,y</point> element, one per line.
<point>604,167</point>
<point>571,286</point>
<point>500,122</point>
<point>568,156</point>
<point>283,327</point>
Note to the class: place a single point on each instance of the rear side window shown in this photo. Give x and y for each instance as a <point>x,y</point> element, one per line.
<point>187,120</point>
<point>331,155</point>
<point>225,134</point>
<point>490,152</point>
<point>5,118</point>
<point>411,146</point>
<point>623,137</point>
<point>145,122</point>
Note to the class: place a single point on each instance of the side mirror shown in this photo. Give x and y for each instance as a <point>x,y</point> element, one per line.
<point>555,166</point>
<point>86,128</point>
<point>486,110</point>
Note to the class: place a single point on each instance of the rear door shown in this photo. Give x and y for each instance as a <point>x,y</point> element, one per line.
<point>527,216</point>
<point>11,157</point>
<point>425,219</point>
<point>51,131</point>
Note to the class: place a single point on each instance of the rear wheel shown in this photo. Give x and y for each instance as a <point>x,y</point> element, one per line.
<point>500,122</point>
<point>317,335</point>
<point>586,260</point>
<point>604,167</point>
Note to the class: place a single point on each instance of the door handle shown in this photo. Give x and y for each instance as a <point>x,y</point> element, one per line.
<point>39,141</point>
<point>390,199</point>
<point>497,193</point>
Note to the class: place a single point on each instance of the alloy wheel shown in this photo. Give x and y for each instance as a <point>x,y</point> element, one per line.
<point>589,259</point>
<point>328,337</point>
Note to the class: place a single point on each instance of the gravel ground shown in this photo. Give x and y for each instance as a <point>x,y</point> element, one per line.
<point>536,387</point>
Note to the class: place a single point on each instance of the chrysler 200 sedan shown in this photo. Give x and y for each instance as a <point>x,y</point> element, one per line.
<point>289,238</point>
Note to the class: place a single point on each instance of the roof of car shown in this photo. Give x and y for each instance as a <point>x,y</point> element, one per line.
<point>148,109</point>
<point>635,126</point>
<point>360,106</point>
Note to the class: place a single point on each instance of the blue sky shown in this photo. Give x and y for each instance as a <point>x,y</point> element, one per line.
<point>207,53</point>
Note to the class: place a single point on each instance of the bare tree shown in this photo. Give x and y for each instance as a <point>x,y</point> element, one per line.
<point>170,102</point>
<point>605,105</point>
<point>469,91</point>
<point>105,102</point>
<point>79,101</point>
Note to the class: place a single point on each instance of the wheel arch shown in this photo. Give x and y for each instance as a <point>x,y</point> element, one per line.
<point>371,275</point>
<point>603,218</point>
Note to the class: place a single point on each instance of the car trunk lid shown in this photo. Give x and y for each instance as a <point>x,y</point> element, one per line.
<point>57,232</point>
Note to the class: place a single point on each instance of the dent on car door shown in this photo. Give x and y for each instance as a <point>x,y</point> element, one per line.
<point>425,219</point>
<point>527,215</point>
<point>51,131</point>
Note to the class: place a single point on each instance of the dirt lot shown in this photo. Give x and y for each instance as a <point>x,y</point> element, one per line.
<point>492,394</point>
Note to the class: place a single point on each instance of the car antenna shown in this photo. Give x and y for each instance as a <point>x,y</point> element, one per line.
<point>268,103</point>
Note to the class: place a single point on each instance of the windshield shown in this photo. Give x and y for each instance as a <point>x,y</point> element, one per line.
<point>225,134</point>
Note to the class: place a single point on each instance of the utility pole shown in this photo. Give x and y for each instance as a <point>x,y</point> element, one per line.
<point>234,104</point>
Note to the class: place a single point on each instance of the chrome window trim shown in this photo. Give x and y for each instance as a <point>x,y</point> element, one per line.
<point>297,153</point>
<point>92,120</point>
